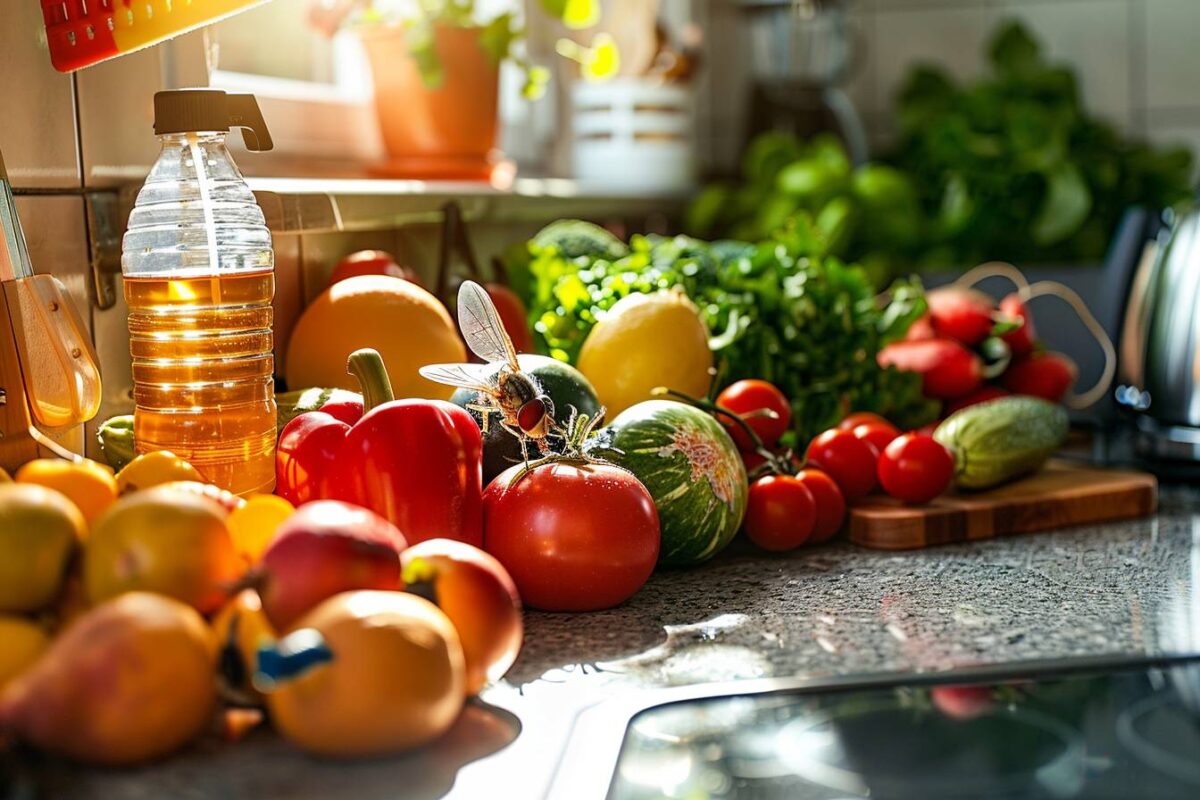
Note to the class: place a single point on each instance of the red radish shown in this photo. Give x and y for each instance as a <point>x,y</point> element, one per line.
<point>513,314</point>
<point>964,315</point>
<point>1020,341</point>
<point>1046,375</point>
<point>948,370</point>
<point>981,395</point>
<point>921,329</point>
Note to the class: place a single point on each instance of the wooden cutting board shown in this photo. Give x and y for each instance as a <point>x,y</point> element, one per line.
<point>1060,495</point>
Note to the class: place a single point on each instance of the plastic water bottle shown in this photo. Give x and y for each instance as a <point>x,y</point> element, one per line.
<point>199,279</point>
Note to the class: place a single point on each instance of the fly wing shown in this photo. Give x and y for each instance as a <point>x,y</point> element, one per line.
<point>481,326</point>
<point>464,376</point>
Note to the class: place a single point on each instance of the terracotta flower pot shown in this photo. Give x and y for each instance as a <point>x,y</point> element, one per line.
<point>446,131</point>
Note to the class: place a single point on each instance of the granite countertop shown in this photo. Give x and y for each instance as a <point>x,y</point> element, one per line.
<point>1122,588</point>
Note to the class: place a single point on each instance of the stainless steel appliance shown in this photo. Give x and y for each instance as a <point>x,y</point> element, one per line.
<point>1082,728</point>
<point>1161,342</point>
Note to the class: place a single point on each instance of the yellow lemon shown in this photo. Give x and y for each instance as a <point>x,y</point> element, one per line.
<point>646,341</point>
<point>152,469</point>
<point>23,641</point>
<point>88,485</point>
<point>253,525</point>
<point>39,528</point>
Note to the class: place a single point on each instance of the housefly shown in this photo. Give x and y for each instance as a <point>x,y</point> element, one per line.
<point>525,410</point>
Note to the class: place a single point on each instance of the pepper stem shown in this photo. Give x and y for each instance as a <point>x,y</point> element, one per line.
<point>366,365</point>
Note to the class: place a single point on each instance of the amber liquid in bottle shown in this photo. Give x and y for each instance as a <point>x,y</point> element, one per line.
<point>203,374</point>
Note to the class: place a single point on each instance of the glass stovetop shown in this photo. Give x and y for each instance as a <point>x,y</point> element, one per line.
<point>1126,732</point>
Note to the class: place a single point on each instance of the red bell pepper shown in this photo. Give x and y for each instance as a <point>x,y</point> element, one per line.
<point>417,463</point>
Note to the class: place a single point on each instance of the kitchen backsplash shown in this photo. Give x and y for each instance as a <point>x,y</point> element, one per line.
<point>1137,60</point>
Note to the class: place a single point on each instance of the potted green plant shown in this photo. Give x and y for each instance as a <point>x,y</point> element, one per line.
<point>436,69</point>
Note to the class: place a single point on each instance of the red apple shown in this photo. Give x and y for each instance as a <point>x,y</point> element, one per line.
<point>371,262</point>
<point>325,548</point>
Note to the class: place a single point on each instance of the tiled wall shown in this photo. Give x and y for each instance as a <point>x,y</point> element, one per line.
<point>1138,61</point>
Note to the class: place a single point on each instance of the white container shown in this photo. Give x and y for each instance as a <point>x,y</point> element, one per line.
<point>633,135</point>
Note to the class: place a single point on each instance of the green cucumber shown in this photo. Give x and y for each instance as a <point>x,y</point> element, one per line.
<point>1002,439</point>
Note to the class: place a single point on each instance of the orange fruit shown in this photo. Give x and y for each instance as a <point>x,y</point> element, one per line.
<point>39,529</point>
<point>406,324</point>
<point>130,681</point>
<point>395,678</point>
<point>24,641</point>
<point>253,525</point>
<point>153,469</point>
<point>162,540</point>
<point>88,485</point>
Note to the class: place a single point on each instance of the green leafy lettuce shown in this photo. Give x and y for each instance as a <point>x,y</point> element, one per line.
<point>777,310</point>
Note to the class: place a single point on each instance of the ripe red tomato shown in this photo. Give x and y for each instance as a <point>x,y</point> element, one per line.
<point>748,396</point>
<point>877,434</point>
<point>848,460</point>
<point>573,538</point>
<point>852,421</point>
<point>478,596</point>
<point>915,468</point>
<point>371,262</point>
<point>780,513</point>
<point>831,506</point>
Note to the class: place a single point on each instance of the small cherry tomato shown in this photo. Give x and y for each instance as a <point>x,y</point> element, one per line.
<point>852,421</point>
<point>915,468</point>
<point>780,513</point>
<point>831,506</point>
<point>877,434</point>
<point>747,397</point>
<point>849,461</point>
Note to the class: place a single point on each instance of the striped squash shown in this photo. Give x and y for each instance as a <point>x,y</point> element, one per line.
<point>691,468</point>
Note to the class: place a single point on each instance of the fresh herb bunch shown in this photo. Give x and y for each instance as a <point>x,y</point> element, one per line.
<point>1008,168</point>
<point>869,214</point>
<point>1012,167</point>
<point>778,310</point>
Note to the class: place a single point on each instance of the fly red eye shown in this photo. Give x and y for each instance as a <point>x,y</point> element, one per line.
<point>530,415</point>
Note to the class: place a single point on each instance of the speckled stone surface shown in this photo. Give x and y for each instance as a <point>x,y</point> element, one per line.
<point>1123,588</point>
